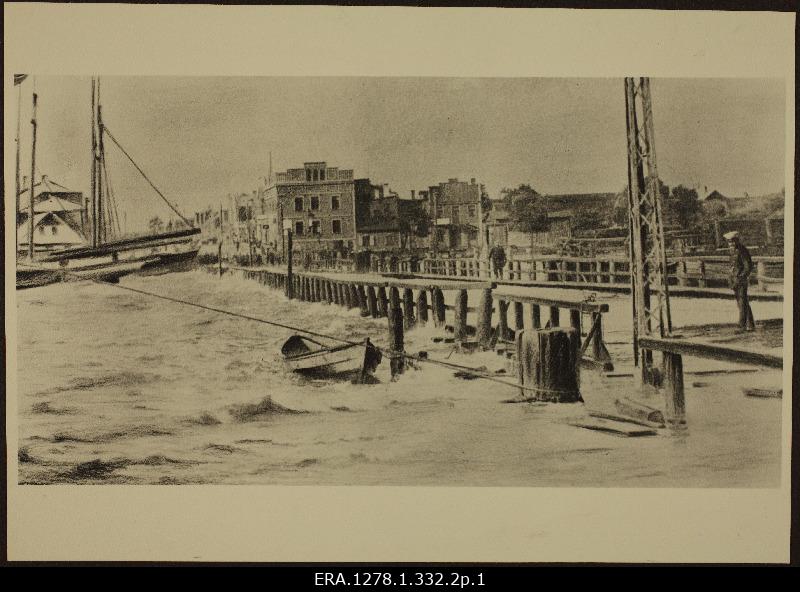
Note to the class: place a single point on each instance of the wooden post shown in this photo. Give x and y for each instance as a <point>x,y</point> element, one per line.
<point>549,363</point>
<point>383,302</point>
<point>408,308</point>
<point>575,320</point>
<point>438,308</point>
<point>555,318</point>
<point>502,325</point>
<point>519,318</point>
<point>484,328</point>
<point>460,322</point>
<point>397,362</point>
<point>346,297</point>
<point>702,281</point>
<point>674,400</point>
<point>353,302</point>
<point>372,302</point>
<point>597,340</point>
<point>422,307</point>
<point>536,316</point>
<point>612,278</point>
<point>289,277</point>
<point>362,301</point>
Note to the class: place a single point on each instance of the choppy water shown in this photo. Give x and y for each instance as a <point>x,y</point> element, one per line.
<point>116,387</point>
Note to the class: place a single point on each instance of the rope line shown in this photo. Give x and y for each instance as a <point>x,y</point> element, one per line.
<point>449,365</point>
<point>146,178</point>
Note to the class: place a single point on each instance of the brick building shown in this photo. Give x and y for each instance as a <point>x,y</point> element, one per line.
<point>320,204</point>
<point>388,222</point>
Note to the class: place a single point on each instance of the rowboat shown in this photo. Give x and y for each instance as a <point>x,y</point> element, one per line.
<point>350,361</point>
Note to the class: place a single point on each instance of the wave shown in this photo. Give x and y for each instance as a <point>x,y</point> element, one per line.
<point>265,407</point>
<point>103,437</point>
<point>89,383</point>
<point>44,407</point>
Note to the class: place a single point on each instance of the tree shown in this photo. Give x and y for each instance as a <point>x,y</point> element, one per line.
<point>685,206</point>
<point>415,221</point>
<point>156,225</point>
<point>525,208</point>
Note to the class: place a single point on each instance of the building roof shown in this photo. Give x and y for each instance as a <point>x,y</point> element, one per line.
<point>66,235</point>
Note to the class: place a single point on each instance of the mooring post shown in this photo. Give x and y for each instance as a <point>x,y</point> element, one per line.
<point>397,362</point>
<point>460,322</point>
<point>408,308</point>
<point>548,362</point>
<point>422,307</point>
<point>383,302</point>
<point>674,399</point>
<point>354,299</point>
<point>372,302</point>
<point>484,328</point>
<point>761,274</point>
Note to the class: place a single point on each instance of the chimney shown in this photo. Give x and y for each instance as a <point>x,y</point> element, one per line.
<point>412,195</point>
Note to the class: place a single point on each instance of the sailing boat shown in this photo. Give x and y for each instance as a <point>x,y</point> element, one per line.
<point>107,257</point>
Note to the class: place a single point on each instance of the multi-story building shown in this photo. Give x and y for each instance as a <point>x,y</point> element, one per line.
<point>320,204</point>
<point>455,207</point>
<point>390,222</point>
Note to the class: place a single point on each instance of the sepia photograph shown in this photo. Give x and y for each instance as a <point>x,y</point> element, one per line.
<point>491,282</point>
<point>401,281</point>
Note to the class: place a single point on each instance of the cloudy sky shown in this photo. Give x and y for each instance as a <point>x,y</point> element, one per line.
<point>200,139</point>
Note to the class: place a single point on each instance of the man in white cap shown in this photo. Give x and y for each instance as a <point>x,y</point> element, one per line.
<point>741,268</point>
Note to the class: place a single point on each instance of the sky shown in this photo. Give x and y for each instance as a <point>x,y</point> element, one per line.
<point>202,138</point>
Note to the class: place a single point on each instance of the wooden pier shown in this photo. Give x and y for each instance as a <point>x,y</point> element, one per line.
<point>410,301</point>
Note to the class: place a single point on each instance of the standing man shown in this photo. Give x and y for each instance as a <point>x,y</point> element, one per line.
<point>741,268</point>
<point>498,257</point>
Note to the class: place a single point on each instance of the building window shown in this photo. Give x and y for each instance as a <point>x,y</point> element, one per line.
<point>322,175</point>
<point>242,213</point>
<point>472,210</point>
<point>439,212</point>
<point>314,202</point>
<point>308,175</point>
<point>365,240</point>
<point>298,204</point>
<point>334,202</point>
<point>315,227</point>
<point>337,227</point>
<point>298,228</point>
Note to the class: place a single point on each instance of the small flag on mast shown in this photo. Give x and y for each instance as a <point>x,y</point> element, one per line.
<point>18,78</point>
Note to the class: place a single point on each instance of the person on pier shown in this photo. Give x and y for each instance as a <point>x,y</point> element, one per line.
<point>741,268</point>
<point>498,256</point>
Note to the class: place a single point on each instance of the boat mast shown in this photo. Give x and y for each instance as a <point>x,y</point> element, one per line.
<point>102,232</point>
<point>19,119</point>
<point>94,170</point>
<point>33,172</point>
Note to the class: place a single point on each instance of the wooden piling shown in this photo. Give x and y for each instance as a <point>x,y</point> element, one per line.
<point>408,308</point>
<point>484,327</point>
<point>362,301</point>
<point>372,302</point>
<point>397,362</point>
<point>460,322</point>
<point>289,257</point>
<point>548,362</point>
<point>502,313</point>
<point>674,399</point>
<point>383,302</point>
<point>597,340</point>
<point>438,308</point>
<point>519,317</point>
<point>422,307</point>
<point>354,299</point>
<point>575,320</point>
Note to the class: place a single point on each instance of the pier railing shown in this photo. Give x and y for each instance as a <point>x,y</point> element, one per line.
<point>603,272</point>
